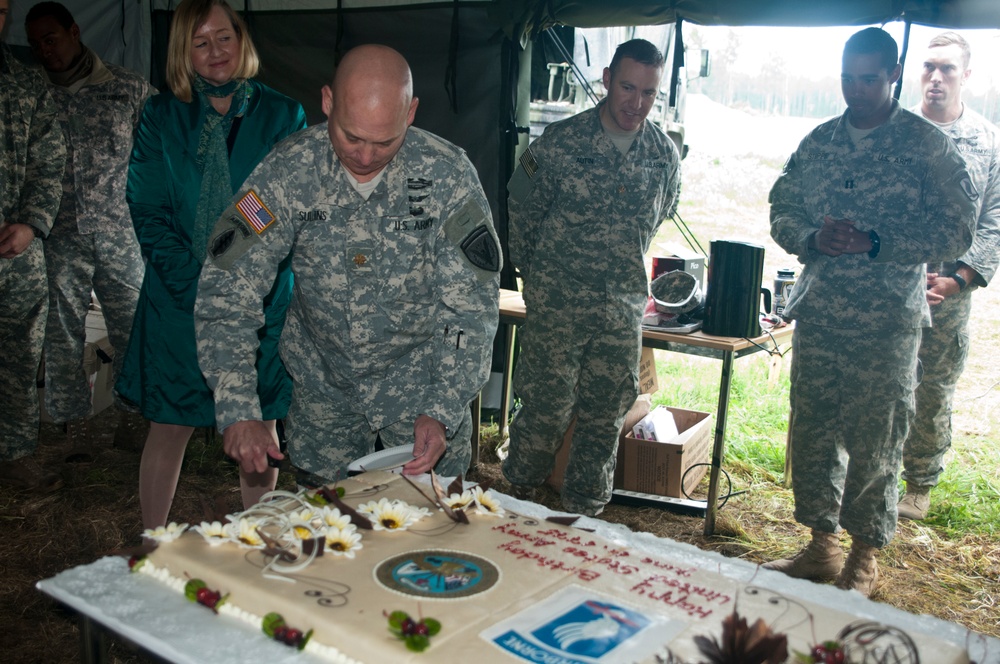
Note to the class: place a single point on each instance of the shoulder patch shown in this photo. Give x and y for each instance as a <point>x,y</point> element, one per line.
<point>479,247</point>
<point>522,181</point>
<point>231,238</point>
<point>969,188</point>
<point>255,212</point>
<point>528,162</point>
<point>470,230</point>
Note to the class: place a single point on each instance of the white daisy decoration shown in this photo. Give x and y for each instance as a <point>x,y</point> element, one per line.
<point>167,533</point>
<point>371,506</point>
<point>486,502</point>
<point>302,529</point>
<point>386,515</point>
<point>457,501</point>
<point>306,515</point>
<point>244,533</point>
<point>418,512</point>
<point>332,518</point>
<point>344,542</point>
<point>214,533</point>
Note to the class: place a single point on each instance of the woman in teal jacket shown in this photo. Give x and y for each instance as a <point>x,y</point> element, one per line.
<point>193,150</point>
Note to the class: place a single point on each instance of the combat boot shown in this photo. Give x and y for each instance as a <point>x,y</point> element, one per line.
<point>131,432</point>
<point>77,442</point>
<point>821,560</point>
<point>861,570</point>
<point>915,503</point>
<point>27,475</point>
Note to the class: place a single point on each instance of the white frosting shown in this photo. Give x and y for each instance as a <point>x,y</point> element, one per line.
<point>533,561</point>
<point>325,652</point>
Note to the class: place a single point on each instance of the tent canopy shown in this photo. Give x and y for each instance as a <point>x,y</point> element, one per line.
<point>528,17</point>
<point>120,31</point>
<point>518,18</point>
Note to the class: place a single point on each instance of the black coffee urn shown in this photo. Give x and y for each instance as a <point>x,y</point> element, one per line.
<point>732,301</point>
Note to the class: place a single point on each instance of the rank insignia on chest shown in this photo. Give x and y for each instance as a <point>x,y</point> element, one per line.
<point>255,212</point>
<point>360,260</point>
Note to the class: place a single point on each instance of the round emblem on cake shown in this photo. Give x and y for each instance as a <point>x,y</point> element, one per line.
<point>437,574</point>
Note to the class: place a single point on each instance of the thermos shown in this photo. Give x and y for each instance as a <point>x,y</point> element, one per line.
<point>783,289</point>
<point>732,300</point>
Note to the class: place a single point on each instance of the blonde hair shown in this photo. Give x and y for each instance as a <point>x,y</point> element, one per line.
<point>949,38</point>
<point>188,17</point>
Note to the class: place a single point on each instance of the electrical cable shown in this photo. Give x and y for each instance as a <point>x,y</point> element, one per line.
<point>687,234</point>
<point>729,486</point>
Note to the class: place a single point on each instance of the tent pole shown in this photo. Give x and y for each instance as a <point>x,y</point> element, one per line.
<point>902,59</point>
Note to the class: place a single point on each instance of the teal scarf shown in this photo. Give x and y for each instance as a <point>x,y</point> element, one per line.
<point>213,158</point>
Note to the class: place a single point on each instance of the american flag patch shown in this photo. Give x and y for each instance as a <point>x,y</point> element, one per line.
<point>258,216</point>
<point>528,162</point>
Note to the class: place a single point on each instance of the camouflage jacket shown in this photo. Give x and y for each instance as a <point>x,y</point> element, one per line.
<point>98,121</point>
<point>396,298</point>
<point>907,182</point>
<point>582,214</point>
<point>34,154</point>
<point>979,142</point>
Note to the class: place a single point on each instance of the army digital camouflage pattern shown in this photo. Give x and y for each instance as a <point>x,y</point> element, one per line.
<point>31,165</point>
<point>858,319</point>
<point>581,217</point>
<point>945,345</point>
<point>850,412</point>
<point>395,306</point>
<point>92,244</point>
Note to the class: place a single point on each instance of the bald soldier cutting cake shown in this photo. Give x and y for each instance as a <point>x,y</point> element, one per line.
<point>396,297</point>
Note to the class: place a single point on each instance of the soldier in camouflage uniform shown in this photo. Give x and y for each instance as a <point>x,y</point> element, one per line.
<point>584,205</point>
<point>945,345</point>
<point>864,202</point>
<point>92,245</point>
<point>32,157</point>
<point>396,297</point>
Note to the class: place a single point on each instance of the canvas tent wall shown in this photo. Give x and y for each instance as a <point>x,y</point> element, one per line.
<point>455,50</point>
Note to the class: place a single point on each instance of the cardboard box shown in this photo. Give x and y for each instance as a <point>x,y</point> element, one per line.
<point>98,356</point>
<point>648,384</point>
<point>649,466</point>
<point>638,411</point>
<point>676,257</point>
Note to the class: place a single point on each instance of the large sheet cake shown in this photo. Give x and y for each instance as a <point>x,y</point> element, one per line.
<point>510,587</point>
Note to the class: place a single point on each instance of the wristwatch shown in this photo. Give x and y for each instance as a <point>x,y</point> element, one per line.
<point>876,244</point>
<point>960,280</point>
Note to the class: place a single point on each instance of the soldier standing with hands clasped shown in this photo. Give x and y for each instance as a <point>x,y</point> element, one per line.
<point>864,202</point>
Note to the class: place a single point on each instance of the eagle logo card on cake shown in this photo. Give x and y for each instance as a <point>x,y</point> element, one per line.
<point>578,626</point>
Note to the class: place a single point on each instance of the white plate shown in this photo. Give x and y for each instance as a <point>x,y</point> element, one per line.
<point>387,458</point>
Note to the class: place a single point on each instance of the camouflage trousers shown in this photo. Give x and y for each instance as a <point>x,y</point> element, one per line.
<point>582,359</point>
<point>852,403</point>
<point>111,265</point>
<point>23,305</point>
<point>943,351</point>
<point>325,435</point>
